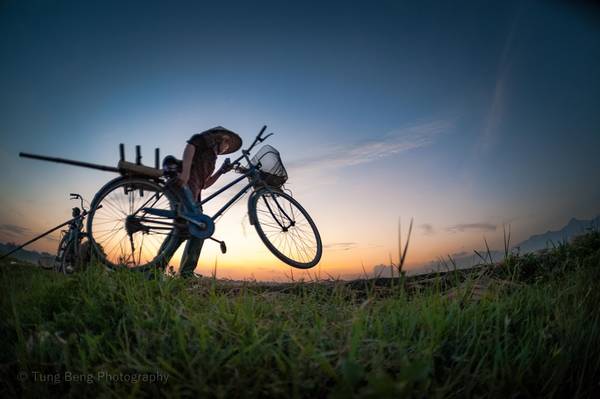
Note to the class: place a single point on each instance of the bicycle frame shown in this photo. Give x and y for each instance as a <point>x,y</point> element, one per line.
<point>73,241</point>
<point>252,172</point>
<point>235,197</point>
<point>72,237</point>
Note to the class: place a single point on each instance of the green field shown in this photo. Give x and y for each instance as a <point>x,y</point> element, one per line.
<point>529,327</point>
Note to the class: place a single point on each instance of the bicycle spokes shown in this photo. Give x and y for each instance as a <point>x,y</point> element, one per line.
<point>127,232</point>
<point>287,229</point>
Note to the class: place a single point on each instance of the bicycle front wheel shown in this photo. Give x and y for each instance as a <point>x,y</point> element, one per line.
<point>132,223</point>
<point>60,260</point>
<point>285,228</point>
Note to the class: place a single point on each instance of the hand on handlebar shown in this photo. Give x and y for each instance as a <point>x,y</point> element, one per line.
<point>240,169</point>
<point>226,166</point>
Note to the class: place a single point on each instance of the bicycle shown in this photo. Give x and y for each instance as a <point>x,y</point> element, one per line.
<point>136,219</point>
<point>68,255</point>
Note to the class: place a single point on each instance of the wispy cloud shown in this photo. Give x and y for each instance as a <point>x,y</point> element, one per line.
<point>341,246</point>
<point>427,229</point>
<point>471,227</point>
<point>392,143</point>
<point>14,230</point>
<point>498,104</point>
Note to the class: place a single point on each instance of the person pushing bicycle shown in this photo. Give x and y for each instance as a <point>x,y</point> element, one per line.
<point>139,219</point>
<point>197,167</point>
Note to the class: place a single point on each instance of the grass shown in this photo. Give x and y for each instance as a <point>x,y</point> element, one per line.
<point>533,332</point>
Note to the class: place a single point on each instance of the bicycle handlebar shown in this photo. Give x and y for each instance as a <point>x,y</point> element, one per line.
<point>262,130</point>
<point>77,196</point>
<point>257,139</point>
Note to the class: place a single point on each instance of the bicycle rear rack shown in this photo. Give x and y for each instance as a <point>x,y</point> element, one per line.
<point>123,167</point>
<point>138,155</point>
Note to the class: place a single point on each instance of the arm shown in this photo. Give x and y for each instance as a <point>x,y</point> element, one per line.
<point>225,167</point>
<point>211,180</point>
<point>188,156</point>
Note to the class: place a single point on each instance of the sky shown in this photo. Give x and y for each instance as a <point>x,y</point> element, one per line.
<point>465,116</point>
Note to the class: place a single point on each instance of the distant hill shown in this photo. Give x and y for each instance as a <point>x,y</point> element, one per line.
<point>574,228</point>
<point>23,254</point>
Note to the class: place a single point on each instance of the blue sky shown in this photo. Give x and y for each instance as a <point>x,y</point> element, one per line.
<point>461,113</point>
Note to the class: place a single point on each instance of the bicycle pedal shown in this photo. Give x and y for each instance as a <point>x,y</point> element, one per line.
<point>222,245</point>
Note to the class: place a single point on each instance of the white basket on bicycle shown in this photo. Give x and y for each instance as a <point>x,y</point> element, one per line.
<point>269,163</point>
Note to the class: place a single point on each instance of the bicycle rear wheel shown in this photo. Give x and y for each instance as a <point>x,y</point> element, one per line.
<point>286,228</point>
<point>123,232</point>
